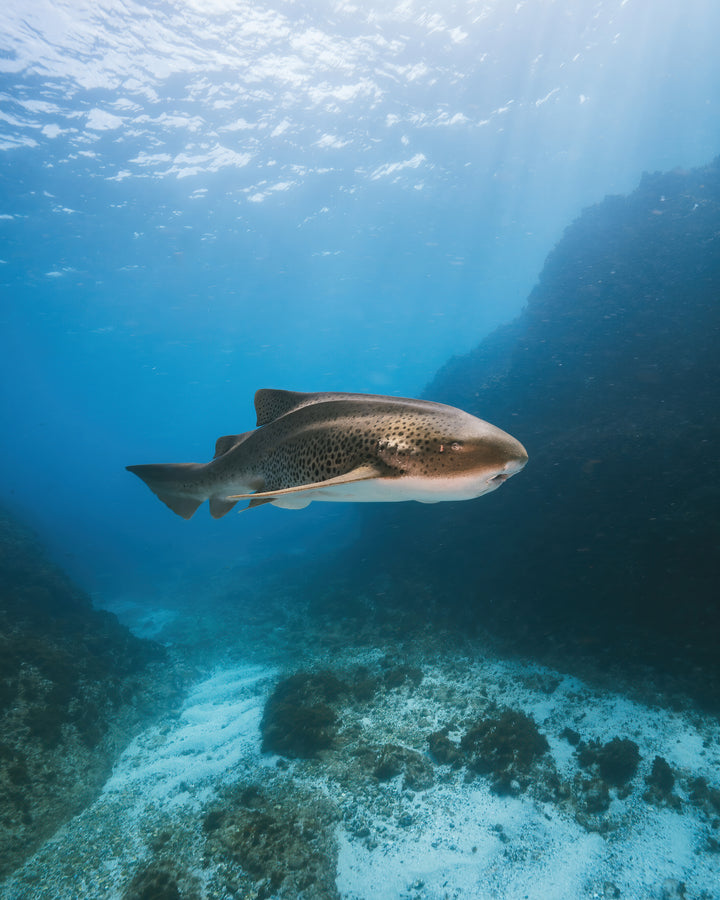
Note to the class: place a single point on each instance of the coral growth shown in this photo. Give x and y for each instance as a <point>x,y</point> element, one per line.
<point>504,746</point>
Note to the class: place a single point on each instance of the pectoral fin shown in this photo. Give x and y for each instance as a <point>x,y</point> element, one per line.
<point>361,473</point>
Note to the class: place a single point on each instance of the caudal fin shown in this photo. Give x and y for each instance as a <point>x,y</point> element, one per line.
<point>174,484</point>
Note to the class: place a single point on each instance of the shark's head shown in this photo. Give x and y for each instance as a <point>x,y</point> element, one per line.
<point>455,456</point>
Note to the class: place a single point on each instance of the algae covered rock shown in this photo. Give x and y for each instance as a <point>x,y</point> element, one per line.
<point>504,746</point>
<point>158,881</point>
<point>660,783</point>
<point>617,760</point>
<point>280,837</point>
<point>299,720</point>
<point>661,777</point>
<point>416,769</point>
<point>443,750</point>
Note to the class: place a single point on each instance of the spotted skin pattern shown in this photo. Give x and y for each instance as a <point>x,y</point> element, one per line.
<point>327,439</point>
<point>304,439</point>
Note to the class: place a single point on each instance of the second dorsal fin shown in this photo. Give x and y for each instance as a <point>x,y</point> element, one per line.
<point>228,441</point>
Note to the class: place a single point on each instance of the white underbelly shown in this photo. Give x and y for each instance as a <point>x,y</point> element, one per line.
<point>395,490</point>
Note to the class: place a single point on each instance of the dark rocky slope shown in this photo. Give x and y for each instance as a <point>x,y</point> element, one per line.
<point>607,544</point>
<point>74,685</point>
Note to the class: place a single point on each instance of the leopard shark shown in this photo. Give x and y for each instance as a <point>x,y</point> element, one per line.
<point>344,448</point>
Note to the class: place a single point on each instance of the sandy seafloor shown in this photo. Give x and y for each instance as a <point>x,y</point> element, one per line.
<point>455,839</point>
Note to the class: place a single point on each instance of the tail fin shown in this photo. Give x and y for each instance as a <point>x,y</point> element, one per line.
<point>173,484</point>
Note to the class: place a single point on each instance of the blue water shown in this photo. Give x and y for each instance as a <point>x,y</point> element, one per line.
<point>201,199</point>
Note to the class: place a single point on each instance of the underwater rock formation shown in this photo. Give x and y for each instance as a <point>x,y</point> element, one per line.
<point>416,769</point>
<point>298,720</point>
<point>155,883</point>
<point>283,840</point>
<point>606,546</point>
<point>504,746</point>
<point>73,685</point>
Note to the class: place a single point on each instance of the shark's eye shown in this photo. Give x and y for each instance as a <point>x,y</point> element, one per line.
<point>456,445</point>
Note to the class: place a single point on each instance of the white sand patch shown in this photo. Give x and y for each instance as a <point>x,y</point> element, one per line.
<point>466,850</point>
<point>160,782</point>
<point>218,729</point>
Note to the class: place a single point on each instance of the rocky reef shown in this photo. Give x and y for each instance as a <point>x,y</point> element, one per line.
<point>606,545</point>
<point>454,772</point>
<point>74,684</point>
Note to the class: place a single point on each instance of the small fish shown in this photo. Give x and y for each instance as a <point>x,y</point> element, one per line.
<point>342,447</point>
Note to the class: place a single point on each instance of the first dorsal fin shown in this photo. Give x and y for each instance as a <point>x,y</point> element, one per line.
<point>270,404</point>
